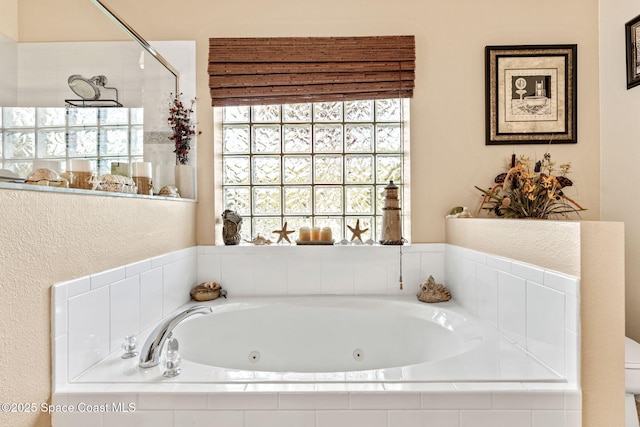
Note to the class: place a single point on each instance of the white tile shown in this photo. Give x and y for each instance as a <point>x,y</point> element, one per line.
<point>151,297</point>
<point>527,271</point>
<point>456,400</point>
<point>573,400</point>
<point>188,270</point>
<point>487,387</point>
<point>475,256</point>
<point>121,401</point>
<point>137,267</point>
<point>572,316</point>
<point>545,325</point>
<point>389,400</point>
<point>290,388</point>
<point>279,419</point>
<point>139,419</point>
<point>185,253</point>
<point>162,260</point>
<point>421,387</point>
<point>58,310</point>
<point>468,290</point>
<point>78,286</point>
<point>548,419</point>
<point>432,264</point>
<point>348,387</point>
<point>561,282</point>
<point>208,267</point>
<point>209,418</point>
<point>370,272</point>
<point>303,273</point>
<point>499,263</point>
<point>305,401</point>
<point>495,418</point>
<point>337,274</point>
<point>88,330</point>
<point>125,310</point>
<point>351,418</point>
<point>424,418</point>
<point>572,353</point>
<point>175,401</point>
<point>59,362</point>
<point>237,273</point>
<point>412,275</point>
<point>573,419</point>
<point>528,400</point>
<point>107,277</point>
<point>242,401</point>
<point>487,287</point>
<point>76,419</point>
<point>270,274</point>
<point>173,293</point>
<point>512,307</point>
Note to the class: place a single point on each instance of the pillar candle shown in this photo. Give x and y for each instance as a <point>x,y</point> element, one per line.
<point>325,234</point>
<point>304,235</point>
<point>79,165</point>
<point>315,233</point>
<point>141,169</point>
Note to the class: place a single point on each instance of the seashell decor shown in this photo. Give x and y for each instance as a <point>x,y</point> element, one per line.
<point>207,291</point>
<point>46,177</point>
<point>430,291</point>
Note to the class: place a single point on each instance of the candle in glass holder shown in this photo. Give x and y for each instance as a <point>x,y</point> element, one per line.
<point>141,175</point>
<point>325,234</point>
<point>304,235</point>
<point>81,172</point>
<point>315,233</point>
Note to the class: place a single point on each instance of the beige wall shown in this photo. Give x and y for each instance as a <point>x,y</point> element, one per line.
<point>620,133</point>
<point>447,112</point>
<point>599,247</point>
<point>447,131</point>
<point>49,237</point>
<point>9,18</point>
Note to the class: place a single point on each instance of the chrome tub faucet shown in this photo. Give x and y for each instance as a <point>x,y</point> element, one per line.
<point>152,349</point>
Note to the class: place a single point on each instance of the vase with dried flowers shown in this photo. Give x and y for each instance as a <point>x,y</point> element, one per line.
<point>530,191</point>
<point>183,130</point>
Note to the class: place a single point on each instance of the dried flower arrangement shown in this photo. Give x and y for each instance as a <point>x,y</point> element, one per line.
<point>183,130</point>
<point>530,192</point>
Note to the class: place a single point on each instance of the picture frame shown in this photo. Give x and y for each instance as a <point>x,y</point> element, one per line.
<point>632,35</point>
<point>531,94</point>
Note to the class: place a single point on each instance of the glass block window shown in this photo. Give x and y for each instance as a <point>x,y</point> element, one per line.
<point>319,164</point>
<point>29,134</point>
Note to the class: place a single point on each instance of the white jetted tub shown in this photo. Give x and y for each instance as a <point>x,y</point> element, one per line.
<point>319,339</point>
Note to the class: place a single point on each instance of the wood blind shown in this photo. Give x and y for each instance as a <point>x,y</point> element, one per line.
<point>259,71</point>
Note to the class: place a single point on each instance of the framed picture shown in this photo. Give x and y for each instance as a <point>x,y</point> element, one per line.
<point>531,94</point>
<point>632,30</point>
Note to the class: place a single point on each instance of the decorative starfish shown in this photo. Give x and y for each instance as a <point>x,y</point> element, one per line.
<point>356,231</point>
<point>284,233</point>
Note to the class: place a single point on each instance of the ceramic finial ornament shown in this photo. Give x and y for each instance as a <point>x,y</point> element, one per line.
<point>430,291</point>
<point>357,232</point>
<point>232,223</point>
<point>284,234</point>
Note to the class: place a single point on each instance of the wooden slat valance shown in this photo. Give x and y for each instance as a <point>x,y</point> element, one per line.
<point>247,71</point>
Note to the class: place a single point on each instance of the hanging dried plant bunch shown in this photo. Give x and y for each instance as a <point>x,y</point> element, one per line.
<point>183,130</point>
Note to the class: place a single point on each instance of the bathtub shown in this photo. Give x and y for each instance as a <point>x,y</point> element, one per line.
<point>333,339</point>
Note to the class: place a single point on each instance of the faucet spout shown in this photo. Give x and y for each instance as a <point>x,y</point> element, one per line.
<point>150,353</point>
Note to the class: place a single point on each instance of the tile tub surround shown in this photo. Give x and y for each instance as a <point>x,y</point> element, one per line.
<point>250,270</point>
<point>91,315</point>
